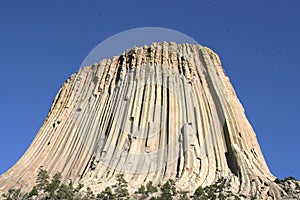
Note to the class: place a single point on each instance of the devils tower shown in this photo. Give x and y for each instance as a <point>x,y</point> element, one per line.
<point>154,113</point>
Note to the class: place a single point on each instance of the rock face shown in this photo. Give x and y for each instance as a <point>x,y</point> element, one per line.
<point>154,113</point>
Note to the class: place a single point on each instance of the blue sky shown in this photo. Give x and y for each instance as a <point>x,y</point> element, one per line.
<point>43,42</point>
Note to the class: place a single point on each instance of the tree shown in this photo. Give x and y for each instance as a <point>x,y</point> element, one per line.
<point>143,193</point>
<point>79,187</point>
<point>150,188</point>
<point>107,194</point>
<point>168,190</point>
<point>65,192</point>
<point>42,179</point>
<point>121,191</point>
<point>53,186</point>
<point>33,192</point>
<point>184,196</point>
<point>199,191</point>
<point>12,194</point>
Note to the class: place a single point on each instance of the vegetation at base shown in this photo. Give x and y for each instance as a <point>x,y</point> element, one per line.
<point>144,192</point>
<point>54,189</point>
<point>289,178</point>
<point>121,191</point>
<point>285,184</point>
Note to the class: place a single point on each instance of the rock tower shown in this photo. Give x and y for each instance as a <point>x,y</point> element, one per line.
<point>154,113</point>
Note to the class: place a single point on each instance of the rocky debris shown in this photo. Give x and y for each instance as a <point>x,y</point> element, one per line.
<point>155,113</point>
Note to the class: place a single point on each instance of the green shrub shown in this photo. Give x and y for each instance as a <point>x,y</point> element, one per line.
<point>289,178</point>
<point>168,190</point>
<point>107,194</point>
<point>121,191</point>
<point>33,192</point>
<point>42,179</point>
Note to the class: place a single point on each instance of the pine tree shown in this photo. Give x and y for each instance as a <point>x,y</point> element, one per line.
<point>107,194</point>
<point>53,186</point>
<point>121,191</point>
<point>33,192</point>
<point>142,192</point>
<point>150,188</point>
<point>42,179</point>
<point>12,195</point>
<point>65,192</point>
<point>168,190</point>
<point>89,194</point>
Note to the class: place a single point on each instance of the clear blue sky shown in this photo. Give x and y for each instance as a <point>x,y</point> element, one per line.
<point>43,42</point>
